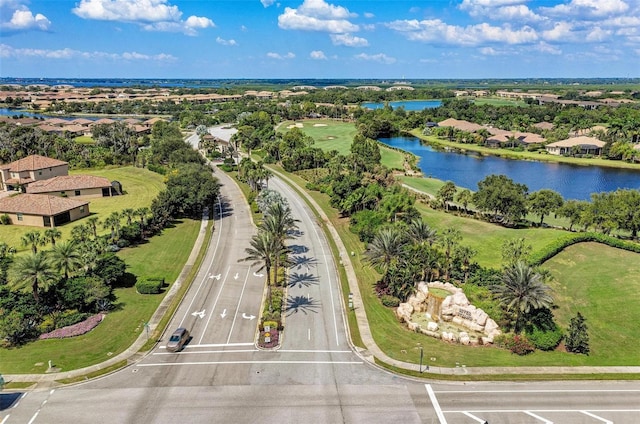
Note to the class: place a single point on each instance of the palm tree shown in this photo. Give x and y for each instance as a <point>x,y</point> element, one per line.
<point>465,254</point>
<point>128,213</point>
<point>81,233</point>
<point>33,239</point>
<point>522,290</point>
<point>66,258</point>
<point>420,232</point>
<point>142,213</point>
<point>113,223</point>
<point>464,197</point>
<point>386,249</point>
<point>33,271</point>
<point>262,252</point>
<point>449,240</point>
<point>52,234</point>
<point>92,222</point>
<point>278,222</point>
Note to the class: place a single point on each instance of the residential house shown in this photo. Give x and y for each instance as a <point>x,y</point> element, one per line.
<point>42,211</point>
<point>581,145</point>
<point>24,171</point>
<point>83,186</point>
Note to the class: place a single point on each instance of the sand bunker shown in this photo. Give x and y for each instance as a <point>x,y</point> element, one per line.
<point>319,125</point>
<point>296,125</point>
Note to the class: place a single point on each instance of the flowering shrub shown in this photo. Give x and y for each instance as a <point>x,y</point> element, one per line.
<point>74,330</point>
<point>520,345</point>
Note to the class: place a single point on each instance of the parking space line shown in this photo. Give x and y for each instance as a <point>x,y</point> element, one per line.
<point>597,417</point>
<point>436,405</point>
<point>473,417</point>
<point>544,420</point>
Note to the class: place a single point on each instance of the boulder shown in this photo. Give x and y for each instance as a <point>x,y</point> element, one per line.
<point>432,326</point>
<point>413,326</point>
<point>460,299</point>
<point>404,311</point>
<point>480,317</point>
<point>423,287</point>
<point>464,338</point>
<point>418,301</point>
<point>491,329</point>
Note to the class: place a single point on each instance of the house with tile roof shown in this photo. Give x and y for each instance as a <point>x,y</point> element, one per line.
<point>40,210</point>
<point>581,145</point>
<point>22,172</point>
<point>82,186</point>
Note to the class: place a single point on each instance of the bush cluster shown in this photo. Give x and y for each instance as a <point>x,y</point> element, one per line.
<point>545,339</point>
<point>150,285</point>
<point>516,343</point>
<point>560,244</point>
<point>390,301</point>
<point>74,330</point>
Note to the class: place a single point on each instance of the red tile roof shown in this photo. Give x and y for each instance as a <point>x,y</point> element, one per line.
<point>39,204</point>
<point>33,163</point>
<point>68,182</point>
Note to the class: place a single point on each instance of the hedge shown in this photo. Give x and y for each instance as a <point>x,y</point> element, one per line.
<point>150,285</point>
<point>560,244</point>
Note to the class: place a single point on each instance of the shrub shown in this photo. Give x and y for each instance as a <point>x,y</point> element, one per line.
<point>122,243</point>
<point>560,244</point>
<point>545,340</point>
<point>516,343</point>
<point>157,169</point>
<point>390,301</point>
<point>71,317</point>
<point>74,330</point>
<point>149,286</point>
<point>5,220</point>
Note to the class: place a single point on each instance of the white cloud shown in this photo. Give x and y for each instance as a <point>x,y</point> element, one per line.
<point>500,10</point>
<point>490,51</point>
<point>597,34</point>
<point>224,42</point>
<point>543,47</point>
<point>368,15</point>
<point>278,56</point>
<point>317,15</point>
<point>318,55</point>
<point>153,15</point>
<point>22,19</point>
<point>562,31</point>
<point>380,58</point>
<point>267,3</point>
<point>587,8</point>
<point>436,31</point>
<point>7,51</point>
<point>348,40</point>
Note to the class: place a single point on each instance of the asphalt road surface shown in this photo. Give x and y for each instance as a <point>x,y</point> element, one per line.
<point>315,377</point>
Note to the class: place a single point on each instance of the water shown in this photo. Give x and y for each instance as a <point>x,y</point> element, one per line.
<point>17,112</point>
<point>414,105</point>
<point>466,170</point>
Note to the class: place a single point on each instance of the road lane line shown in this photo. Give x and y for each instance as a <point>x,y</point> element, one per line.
<point>544,420</point>
<point>5,419</point>
<point>168,364</point>
<point>215,303</point>
<point>543,391</point>
<point>436,405</point>
<point>605,421</point>
<point>296,197</point>
<point>309,334</point>
<point>199,352</point>
<point>206,276</point>
<point>473,417</point>
<point>235,315</point>
<point>34,417</point>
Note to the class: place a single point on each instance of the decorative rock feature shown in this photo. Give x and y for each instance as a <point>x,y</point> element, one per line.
<point>455,308</point>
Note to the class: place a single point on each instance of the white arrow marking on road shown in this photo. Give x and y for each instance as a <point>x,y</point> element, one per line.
<point>217,277</point>
<point>249,317</point>
<point>198,314</point>
<point>258,275</point>
<point>235,277</point>
<point>223,314</point>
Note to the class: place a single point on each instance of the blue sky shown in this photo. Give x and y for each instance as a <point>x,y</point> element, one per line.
<point>319,38</point>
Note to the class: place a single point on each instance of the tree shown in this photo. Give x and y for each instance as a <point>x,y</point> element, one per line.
<point>573,210</point>
<point>449,240</point>
<point>446,194</point>
<point>6,258</point>
<point>420,232</point>
<point>112,222</point>
<point>544,202</point>
<point>128,213</point>
<point>514,251</point>
<point>386,249</point>
<point>262,252</point>
<point>498,194</point>
<point>33,270</point>
<point>33,239</point>
<point>278,222</point>
<point>52,234</point>
<point>521,291</point>
<point>92,222</point>
<point>464,254</point>
<point>464,197</point>
<point>577,340</point>
<point>66,258</point>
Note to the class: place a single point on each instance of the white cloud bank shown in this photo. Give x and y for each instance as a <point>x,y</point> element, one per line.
<point>22,18</point>
<point>9,52</point>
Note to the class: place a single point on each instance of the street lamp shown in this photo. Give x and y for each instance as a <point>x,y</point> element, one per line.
<point>421,356</point>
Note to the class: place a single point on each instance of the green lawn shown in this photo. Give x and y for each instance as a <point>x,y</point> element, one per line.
<point>337,135</point>
<point>163,255</point>
<point>141,186</point>
<point>499,102</point>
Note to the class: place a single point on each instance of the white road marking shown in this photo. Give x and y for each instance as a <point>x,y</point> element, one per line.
<point>544,420</point>
<point>214,304</point>
<point>473,417</point>
<point>34,417</point>
<point>597,417</point>
<point>167,364</point>
<point>4,420</point>
<point>312,351</point>
<point>199,314</point>
<point>249,317</point>
<point>235,315</point>
<point>198,352</point>
<point>436,405</point>
<point>543,391</point>
<point>20,398</point>
<point>190,346</point>
<point>309,334</point>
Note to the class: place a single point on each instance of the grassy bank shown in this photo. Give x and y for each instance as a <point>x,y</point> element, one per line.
<point>163,255</point>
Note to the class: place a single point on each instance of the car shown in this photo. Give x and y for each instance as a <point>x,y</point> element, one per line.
<point>178,339</point>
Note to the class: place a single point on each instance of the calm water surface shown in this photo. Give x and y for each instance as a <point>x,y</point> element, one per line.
<point>466,170</point>
<point>407,104</point>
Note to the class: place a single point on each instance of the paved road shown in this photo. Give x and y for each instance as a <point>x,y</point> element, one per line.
<point>315,377</point>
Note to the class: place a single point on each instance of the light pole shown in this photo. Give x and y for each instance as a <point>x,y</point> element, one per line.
<point>421,356</point>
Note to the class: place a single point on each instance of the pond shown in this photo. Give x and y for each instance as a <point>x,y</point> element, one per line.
<point>413,105</point>
<point>467,169</point>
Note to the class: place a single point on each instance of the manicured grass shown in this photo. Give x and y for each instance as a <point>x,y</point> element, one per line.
<point>337,135</point>
<point>163,255</point>
<point>499,102</point>
<point>402,344</point>
<point>140,185</point>
<point>85,139</point>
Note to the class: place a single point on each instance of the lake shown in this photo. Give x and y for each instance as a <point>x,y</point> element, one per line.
<point>413,105</point>
<point>466,170</point>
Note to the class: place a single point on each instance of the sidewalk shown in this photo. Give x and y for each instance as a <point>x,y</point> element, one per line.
<point>132,354</point>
